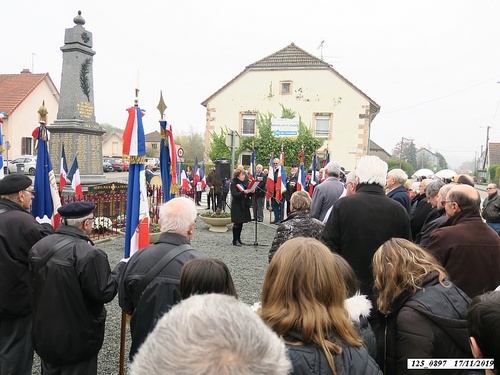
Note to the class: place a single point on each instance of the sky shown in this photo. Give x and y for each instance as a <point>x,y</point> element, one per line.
<point>432,66</point>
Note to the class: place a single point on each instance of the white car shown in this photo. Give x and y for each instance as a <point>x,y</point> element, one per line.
<point>29,162</point>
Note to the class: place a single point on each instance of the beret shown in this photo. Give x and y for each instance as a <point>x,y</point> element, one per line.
<point>294,165</point>
<point>75,210</point>
<point>13,183</point>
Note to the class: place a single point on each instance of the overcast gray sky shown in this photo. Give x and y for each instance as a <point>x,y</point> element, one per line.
<point>432,66</point>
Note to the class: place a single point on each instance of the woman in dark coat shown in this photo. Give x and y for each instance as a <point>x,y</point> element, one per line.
<point>240,204</point>
<point>424,311</point>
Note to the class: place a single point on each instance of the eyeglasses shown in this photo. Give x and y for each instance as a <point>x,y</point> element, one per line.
<point>275,163</point>
<point>32,192</point>
<point>491,188</point>
<point>443,203</point>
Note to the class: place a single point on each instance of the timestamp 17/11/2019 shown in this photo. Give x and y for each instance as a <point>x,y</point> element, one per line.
<point>450,363</point>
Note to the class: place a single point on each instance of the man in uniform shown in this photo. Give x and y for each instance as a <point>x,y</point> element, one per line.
<point>260,194</point>
<point>72,281</point>
<point>18,232</point>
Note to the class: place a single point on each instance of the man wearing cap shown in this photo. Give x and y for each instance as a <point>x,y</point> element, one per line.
<point>72,282</point>
<point>18,232</point>
<point>291,186</point>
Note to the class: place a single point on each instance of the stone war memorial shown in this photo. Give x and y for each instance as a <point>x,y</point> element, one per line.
<point>76,126</point>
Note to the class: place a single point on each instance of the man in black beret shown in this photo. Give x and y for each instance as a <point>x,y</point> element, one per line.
<point>18,232</point>
<point>72,282</point>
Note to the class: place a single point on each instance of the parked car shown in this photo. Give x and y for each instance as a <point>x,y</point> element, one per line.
<point>116,163</point>
<point>107,167</point>
<point>126,165</point>
<point>29,162</point>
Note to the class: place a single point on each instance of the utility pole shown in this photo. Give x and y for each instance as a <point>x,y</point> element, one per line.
<point>487,147</point>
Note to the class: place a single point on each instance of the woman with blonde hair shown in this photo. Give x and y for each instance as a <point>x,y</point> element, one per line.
<point>303,302</point>
<point>424,311</point>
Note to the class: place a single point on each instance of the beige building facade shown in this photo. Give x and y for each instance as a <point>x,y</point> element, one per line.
<point>333,108</point>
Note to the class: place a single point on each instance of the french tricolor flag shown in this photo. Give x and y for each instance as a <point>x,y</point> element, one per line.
<point>184,180</point>
<point>301,181</point>
<point>63,170</point>
<point>270,179</point>
<point>74,177</point>
<point>252,165</point>
<point>196,176</point>
<point>134,148</point>
<point>46,201</point>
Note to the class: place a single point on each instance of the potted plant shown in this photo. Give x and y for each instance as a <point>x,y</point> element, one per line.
<point>217,220</point>
<point>154,232</point>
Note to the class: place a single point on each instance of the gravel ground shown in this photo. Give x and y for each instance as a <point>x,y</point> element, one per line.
<point>247,265</point>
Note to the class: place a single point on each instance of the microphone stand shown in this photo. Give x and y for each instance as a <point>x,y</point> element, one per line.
<point>254,206</point>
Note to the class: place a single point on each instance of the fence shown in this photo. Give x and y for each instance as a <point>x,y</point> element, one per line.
<point>111,208</point>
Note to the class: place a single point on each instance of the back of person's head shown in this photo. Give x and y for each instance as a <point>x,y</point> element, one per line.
<point>432,189</point>
<point>351,281</point>
<point>301,201</point>
<point>399,175</point>
<point>351,177</point>
<point>204,276</point>
<point>399,264</point>
<point>483,323</point>
<point>211,334</point>
<point>304,292</point>
<point>333,169</point>
<point>463,179</point>
<point>177,215</point>
<point>467,197</point>
<point>372,170</point>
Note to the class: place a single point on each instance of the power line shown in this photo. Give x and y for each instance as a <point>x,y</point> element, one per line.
<point>439,98</point>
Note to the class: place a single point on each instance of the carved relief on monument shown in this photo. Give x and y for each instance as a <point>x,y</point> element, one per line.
<point>84,78</point>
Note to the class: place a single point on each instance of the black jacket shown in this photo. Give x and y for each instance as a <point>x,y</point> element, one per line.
<point>69,296</point>
<point>311,359</point>
<point>419,214</point>
<point>261,189</point>
<point>297,224</point>
<point>359,224</point>
<point>161,293</point>
<point>429,324</point>
<point>491,208</point>
<point>18,232</point>
<point>240,202</point>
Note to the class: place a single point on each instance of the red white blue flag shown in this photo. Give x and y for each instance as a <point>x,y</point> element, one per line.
<point>270,179</point>
<point>74,177</point>
<point>301,181</point>
<point>196,176</point>
<point>134,149</point>
<point>202,176</point>
<point>184,179</point>
<point>252,165</point>
<point>46,201</point>
<point>63,170</point>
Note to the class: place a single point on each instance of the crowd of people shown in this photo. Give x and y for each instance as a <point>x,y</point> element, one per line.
<point>365,274</point>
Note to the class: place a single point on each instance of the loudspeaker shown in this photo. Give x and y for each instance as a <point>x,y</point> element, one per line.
<point>223,169</point>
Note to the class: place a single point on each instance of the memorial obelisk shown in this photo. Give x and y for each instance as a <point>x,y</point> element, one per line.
<point>76,126</point>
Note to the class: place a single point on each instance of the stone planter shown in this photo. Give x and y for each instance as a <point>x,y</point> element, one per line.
<point>153,237</point>
<point>217,224</point>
